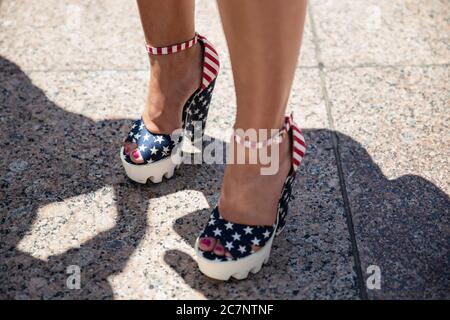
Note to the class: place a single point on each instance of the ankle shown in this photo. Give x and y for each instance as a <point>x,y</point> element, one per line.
<point>162,122</point>
<point>264,125</point>
<point>173,79</point>
<point>268,160</point>
<point>181,70</point>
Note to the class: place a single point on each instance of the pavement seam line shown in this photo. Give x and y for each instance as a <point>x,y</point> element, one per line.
<point>335,142</point>
<point>386,66</point>
<point>337,68</point>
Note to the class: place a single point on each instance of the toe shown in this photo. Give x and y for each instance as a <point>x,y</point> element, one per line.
<point>136,157</point>
<point>207,244</point>
<point>255,248</point>
<point>219,250</point>
<point>128,146</point>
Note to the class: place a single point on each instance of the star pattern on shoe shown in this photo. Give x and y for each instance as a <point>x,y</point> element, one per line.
<point>236,238</point>
<point>142,147</point>
<point>166,151</point>
<point>255,241</point>
<point>159,139</point>
<point>217,232</point>
<point>197,112</point>
<point>152,147</point>
<point>242,249</point>
<point>229,245</point>
<point>283,208</point>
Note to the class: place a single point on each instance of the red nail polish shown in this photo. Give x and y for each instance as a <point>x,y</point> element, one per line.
<point>136,154</point>
<point>206,242</point>
<point>220,249</point>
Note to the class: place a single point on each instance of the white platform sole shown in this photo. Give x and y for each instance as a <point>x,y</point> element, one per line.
<point>154,171</point>
<point>238,269</point>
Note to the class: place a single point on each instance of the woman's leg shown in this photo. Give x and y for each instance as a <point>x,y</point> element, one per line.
<point>173,77</point>
<point>264,40</point>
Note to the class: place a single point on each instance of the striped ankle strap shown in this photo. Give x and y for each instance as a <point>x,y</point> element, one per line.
<point>173,48</point>
<point>298,143</point>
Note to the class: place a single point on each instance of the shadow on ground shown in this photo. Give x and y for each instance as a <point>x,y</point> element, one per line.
<point>402,225</point>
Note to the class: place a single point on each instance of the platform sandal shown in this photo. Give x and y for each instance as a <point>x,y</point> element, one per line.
<point>238,239</point>
<point>160,154</point>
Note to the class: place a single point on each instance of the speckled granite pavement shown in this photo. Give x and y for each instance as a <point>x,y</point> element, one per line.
<point>372,92</point>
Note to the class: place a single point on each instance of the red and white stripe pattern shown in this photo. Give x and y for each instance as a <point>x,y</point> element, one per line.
<point>173,48</point>
<point>211,62</point>
<point>299,145</point>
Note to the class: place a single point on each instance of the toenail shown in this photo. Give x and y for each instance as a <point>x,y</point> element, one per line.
<point>219,248</point>
<point>206,242</point>
<point>135,154</point>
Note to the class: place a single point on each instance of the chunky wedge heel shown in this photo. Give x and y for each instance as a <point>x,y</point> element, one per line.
<point>239,239</point>
<point>157,156</point>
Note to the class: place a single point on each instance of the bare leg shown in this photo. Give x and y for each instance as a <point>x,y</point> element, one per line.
<point>264,40</point>
<point>173,77</point>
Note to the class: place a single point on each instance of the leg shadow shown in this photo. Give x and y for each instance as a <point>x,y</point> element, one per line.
<point>402,225</point>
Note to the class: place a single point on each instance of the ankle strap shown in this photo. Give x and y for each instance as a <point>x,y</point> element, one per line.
<point>298,140</point>
<point>172,48</point>
<point>275,139</point>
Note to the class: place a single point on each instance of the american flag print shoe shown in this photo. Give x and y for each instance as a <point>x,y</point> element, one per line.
<point>160,154</point>
<point>238,239</point>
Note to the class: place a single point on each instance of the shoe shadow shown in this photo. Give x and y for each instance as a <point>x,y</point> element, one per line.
<point>401,225</point>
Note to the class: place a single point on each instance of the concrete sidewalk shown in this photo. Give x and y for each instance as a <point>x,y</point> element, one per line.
<point>371,90</point>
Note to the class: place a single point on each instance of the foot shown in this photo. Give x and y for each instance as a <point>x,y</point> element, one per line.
<point>173,79</point>
<point>248,197</point>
